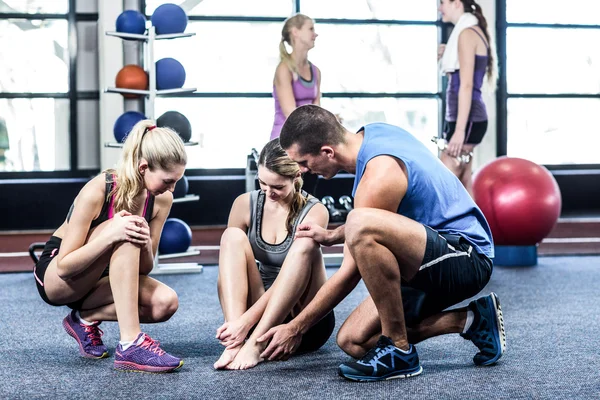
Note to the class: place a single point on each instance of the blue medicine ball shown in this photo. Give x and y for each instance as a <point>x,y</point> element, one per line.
<point>131,21</point>
<point>124,123</point>
<point>170,74</point>
<point>169,18</point>
<point>176,237</point>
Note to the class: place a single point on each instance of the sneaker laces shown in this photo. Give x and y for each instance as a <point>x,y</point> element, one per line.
<point>373,354</point>
<point>94,334</point>
<point>152,345</point>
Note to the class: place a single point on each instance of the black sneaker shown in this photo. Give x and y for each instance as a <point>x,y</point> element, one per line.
<point>487,330</point>
<point>384,361</point>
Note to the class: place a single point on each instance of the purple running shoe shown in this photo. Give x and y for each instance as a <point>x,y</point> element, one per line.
<point>89,337</point>
<point>145,356</point>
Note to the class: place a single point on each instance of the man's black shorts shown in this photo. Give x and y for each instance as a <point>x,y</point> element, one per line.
<point>451,272</point>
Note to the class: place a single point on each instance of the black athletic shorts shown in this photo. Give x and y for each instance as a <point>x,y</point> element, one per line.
<point>451,271</point>
<point>473,135</point>
<point>317,335</point>
<point>39,271</point>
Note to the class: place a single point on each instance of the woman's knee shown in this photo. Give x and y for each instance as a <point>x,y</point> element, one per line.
<point>233,236</point>
<point>164,303</point>
<point>234,243</point>
<point>126,249</point>
<point>451,163</point>
<point>304,247</point>
<point>466,172</point>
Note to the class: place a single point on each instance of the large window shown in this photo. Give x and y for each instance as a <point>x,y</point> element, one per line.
<point>405,10</point>
<point>34,81</point>
<point>554,131</point>
<point>234,8</point>
<point>38,90</point>
<point>553,11</point>
<point>553,81</point>
<point>34,134</point>
<point>377,59</point>
<point>419,116</point>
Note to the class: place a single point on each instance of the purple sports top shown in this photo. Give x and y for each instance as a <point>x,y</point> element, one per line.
<point>478,111</point>
<point>305,92</point>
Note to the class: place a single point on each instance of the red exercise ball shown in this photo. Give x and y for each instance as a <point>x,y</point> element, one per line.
<point>520,200</point>
<point>132,77</point>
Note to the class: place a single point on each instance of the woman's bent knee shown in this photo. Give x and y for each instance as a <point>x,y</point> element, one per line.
<point>233,235</point>
<point>163,305</point>
<point>304,246</point>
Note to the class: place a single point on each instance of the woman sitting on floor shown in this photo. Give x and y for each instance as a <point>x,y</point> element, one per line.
<point>265,276</point>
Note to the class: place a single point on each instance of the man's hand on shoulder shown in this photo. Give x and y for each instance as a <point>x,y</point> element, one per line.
<point>314,231</point>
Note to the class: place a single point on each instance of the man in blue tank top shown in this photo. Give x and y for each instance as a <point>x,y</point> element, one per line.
<point>415,237</point>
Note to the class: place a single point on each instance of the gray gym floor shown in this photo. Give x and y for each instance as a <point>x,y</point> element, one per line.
<point>551,312</point>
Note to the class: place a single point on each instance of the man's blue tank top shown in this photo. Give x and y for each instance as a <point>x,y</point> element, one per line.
<point>434,197</point>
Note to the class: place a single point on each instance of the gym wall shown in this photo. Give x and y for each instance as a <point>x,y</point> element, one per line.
<point>41,200</point>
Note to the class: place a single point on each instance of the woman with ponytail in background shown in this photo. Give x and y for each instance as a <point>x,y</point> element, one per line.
<point>297,81</point>
<point>97,262</point>
<point>466,59</point>
<point>266,276</point>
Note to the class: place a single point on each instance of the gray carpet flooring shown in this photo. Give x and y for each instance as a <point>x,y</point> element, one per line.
<point>551,311</point>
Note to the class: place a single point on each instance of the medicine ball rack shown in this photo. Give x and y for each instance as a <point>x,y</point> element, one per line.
<point>152,92</point>
<point>150,95</point>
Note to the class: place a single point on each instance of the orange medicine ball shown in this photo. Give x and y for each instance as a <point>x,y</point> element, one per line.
<point>132,77</point>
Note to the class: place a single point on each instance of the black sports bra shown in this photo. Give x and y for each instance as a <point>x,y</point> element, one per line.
<point>107,211</point>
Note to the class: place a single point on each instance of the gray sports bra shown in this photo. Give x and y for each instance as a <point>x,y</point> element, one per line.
<point>270,257</point>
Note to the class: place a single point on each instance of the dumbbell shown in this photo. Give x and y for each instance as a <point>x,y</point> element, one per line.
<point>251,168</point>
<point>442,144</point>
<point>346,202</point>
<point>255,155</point>
<point>335,214</point>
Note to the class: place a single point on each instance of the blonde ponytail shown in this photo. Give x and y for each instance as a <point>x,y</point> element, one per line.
<point>298,204</point>
<point>162,148</point>
<point>286,58</point>
<point>295,21</point>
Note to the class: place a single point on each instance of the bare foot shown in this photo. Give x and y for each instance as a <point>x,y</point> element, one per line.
<point>227,357</point>
<point>248,357</point>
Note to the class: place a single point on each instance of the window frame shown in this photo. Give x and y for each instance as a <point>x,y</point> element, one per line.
<point>503,95</point>
<point>73,95</point>
<point>442,29</point>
